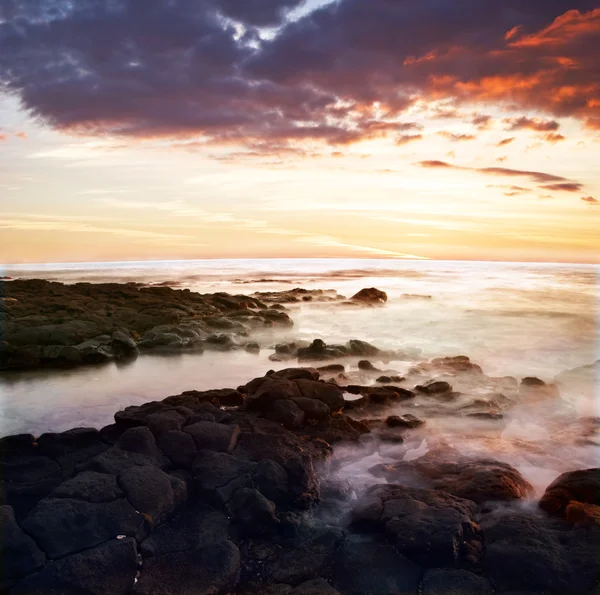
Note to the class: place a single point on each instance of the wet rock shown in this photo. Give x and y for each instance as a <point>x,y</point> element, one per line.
<point>272,389</point>
<point>534,388</point>
<point>581,486</point>
<point>272,480</point>
<point>314,409</point>
<point>404,421</point>
<point>388,571</point>
<point>367,366</point>
<point>179,446</point>
<point>287,413</point>
<point>107,569</point>
<point>116,460</point>
<point>63,526</point>
<point>252,347</point>
<point>582,514</point>
<point>476,480</point>
<point>72,448</point>
<point>139,440</point>
<point>165,421</point>
<point>135,415</point>
<point>297,374</point>
<point>362,348</point>
<point>123,344</point>
<point>214,436</point>
<point>455,364</point>
<point>189,529</point>
<point>309,554</point>
<point>89,486</point>
<point>332,368</point>
<point>251,511</point>
<point>292,454</point>
<point>448,581</point>
<point>214,568</point>
<point>429,527</point>
<point>19,554</point>
<point>329,394</point>
<point>150,492</point>
<point>96,350</point>
<point>530,552</point>
<point>318,350</point>
<point>317,586</point>
<point>215,471</point>
<point>370,295</point>
<point>27,479</point>
<point>434,387</point>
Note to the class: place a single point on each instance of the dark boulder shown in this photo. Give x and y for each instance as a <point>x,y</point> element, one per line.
<point>26,480</point>
<point>213,436</point>
<point>272,389</point>
<point>63,526</point>
<point>71,448</point>
<point>139,440</point>
<point>179,447</point>
<point>307,555</point>
<point>218,475</point>
<point>331,395</point>
<point>189,529</point>
<point>318,350</point>
<point>89,486</point>
<point>252,512</point>
<point>171,419</point>
<point>151,492</point>
<point>214,568</point>
<point>314,409</point>
<point>476,480</point>
<point>362,348</point>
<point>528,552</point>
<point>366,366</point>
<point>365,566</point>
<point>449,581</point>
<point>272,480</point>
<point>19,554</point>
<point>370,295</point>
<point>429,527</point>
<point>296,374</point>
<point>286,412</point>
<point>404,421</point>
<point>434,387</point>
<point>580,486</point>
<point>108,569</point>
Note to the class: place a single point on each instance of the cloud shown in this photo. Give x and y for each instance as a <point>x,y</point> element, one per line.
<point>433,164</point>
<point>505,141</point>
<point>455,137</point>
<point>590,200</point>
<point>343,72</point>
<point>482,121</point>
<point>403,139</point>
<point>552,137</point>
<point>536,124</point>
<point>535,176</point>
<point>565,187</point>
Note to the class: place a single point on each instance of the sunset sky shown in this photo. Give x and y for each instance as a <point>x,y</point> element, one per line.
<point>445,129</point>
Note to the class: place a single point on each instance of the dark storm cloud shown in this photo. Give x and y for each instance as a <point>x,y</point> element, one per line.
<point>200,68</point>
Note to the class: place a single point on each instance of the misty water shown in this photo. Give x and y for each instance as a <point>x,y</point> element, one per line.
<point>512,319</point>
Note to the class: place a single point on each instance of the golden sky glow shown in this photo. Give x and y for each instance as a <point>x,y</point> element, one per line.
<point>487,176</point>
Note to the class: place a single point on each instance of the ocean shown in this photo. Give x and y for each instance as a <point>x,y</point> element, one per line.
<point>512,319</point>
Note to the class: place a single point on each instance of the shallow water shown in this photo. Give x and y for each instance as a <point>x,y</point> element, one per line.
<point>512,319</point>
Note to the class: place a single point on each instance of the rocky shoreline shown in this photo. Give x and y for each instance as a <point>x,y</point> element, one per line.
<point>235,491</point>
<point>53,325</point>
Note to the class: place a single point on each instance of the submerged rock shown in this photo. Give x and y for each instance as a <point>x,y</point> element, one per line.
<point>370,295</point>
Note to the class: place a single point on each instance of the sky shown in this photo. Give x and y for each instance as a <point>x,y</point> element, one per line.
<point>182,129</point>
